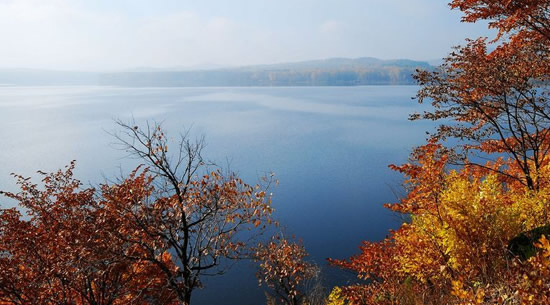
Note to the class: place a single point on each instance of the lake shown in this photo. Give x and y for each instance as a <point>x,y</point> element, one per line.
<point>328,146</point>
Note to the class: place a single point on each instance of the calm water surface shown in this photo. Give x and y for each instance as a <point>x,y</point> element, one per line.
<point>329,148</point>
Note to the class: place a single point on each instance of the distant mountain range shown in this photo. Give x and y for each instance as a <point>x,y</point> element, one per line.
<point>328,72</point>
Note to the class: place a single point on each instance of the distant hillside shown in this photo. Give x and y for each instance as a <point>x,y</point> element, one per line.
<point>33,77</point>
<point>329,72</point>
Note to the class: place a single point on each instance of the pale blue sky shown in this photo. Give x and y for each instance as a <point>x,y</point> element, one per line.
<point>120,34</point>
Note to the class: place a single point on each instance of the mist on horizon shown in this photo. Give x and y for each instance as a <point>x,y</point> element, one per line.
<point>106,35</point>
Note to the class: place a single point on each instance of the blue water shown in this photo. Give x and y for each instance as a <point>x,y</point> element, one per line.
<point>328,146</point>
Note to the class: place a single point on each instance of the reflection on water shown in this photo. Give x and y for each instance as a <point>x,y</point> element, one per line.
<point>329,147</point>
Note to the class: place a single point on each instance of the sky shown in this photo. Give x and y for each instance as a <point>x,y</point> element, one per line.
<point>106,35</point>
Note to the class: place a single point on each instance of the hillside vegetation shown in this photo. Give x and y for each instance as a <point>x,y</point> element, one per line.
<point>330,72</point>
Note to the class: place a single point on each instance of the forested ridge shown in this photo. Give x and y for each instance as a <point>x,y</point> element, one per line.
<point>330,72</point>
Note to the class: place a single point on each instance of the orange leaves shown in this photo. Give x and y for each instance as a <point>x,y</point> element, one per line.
<point>525,17</point>
<point>544,245</point>
<point>472,296</point>
<point>383,283</point>
<point>493,105</point>
<point>199,219</point>
<point>424,178</point>
<point>147,239</point>
<point>376,261</point>
<point>130,244</point>
<point>65,253</point>
<point>496,102</point>
<point>257,222</point>
<point>455,247</point>
<point>283,268</point>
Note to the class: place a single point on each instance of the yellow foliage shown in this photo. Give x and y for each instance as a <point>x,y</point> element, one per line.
<point>467,231</point>
<point>455,248</point>
<point>335,297</point>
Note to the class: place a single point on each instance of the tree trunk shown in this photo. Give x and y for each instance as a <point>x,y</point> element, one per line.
<point>185,298</point>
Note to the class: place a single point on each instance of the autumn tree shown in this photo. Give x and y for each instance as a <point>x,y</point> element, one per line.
<point>496,102</point>
<point>521,18</point>
<point>63,252</point>
<point>176,206</point>
<point>284,269</point>
<point>146,239</point>
<point>457,245</point>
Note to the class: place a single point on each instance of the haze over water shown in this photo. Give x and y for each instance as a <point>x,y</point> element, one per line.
<point>328,146</point>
